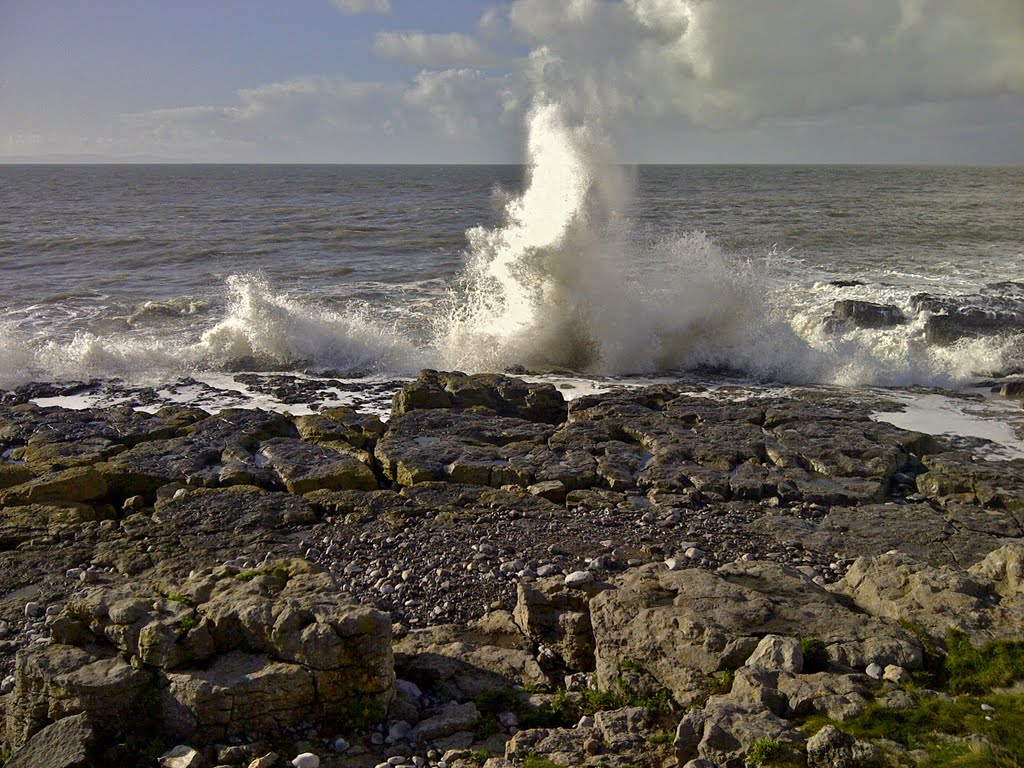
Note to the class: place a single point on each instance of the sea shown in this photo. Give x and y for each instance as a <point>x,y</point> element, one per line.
<point>299,287</point>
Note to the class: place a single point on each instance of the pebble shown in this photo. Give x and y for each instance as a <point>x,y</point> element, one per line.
<point>695,553</point>
<point>33,610</point>
<point>585,722</point>
<point>7,685</point>
<point>987,708</point>
<point>396,760</point>
<point>306,760</point>
<point>874,671</point>
<point>548,570</point>
<point>73,573</point>
<point>674,564</point>
<point>398,731</point>
<point>579,578</point>
<point>339,745</point>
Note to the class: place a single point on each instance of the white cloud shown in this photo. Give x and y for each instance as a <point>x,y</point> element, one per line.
<point>433,50</point>
<point>443,116</point>
<point>362,6</point>
<point>730,62</point>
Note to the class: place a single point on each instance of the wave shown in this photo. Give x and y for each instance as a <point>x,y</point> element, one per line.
<point>260,329</point>
<point>567,283</point>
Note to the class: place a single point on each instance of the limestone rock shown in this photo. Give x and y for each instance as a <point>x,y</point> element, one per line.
<point>503,395</point>
<point>898,587</point>
<point>63,744</point>
<point>782,654</point>
<point>681,625</point>
<point>557,616</point>
<point>52,682</point>
<point>831,748</point>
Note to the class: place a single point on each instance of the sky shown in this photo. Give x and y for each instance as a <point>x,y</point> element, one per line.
<point>450,81</point>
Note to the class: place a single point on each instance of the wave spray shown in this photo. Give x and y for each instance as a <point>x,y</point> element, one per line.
<point>567,281</point>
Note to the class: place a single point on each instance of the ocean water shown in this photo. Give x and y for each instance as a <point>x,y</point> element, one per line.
<point>188,280</point>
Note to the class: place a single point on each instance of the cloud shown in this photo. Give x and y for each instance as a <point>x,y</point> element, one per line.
<point>732,62</point>
<point>451,115</point>
<point>362,6</point>
<point>434,50</point>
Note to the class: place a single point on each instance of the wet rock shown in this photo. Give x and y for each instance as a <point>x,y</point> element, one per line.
<point>502,395</point>
<point>863,314</point>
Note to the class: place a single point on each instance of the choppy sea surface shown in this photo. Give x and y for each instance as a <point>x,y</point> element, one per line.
<point>301,286</point>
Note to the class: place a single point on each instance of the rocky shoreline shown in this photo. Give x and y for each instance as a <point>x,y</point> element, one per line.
<point>645,577</point>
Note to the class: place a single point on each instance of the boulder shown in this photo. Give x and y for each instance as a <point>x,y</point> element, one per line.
<point>681,626</point>
<point>557,616</point>
<point>831,748</point>
<point>984,602</point>
<point>303,467</point>
<point>56,681</point>
<point>66,743</point>
<point>864,314</point>
<point>503,395</point>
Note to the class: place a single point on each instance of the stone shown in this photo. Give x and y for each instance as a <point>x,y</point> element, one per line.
<point>268,760</point>
<point>78,484</point>
<point>864,314</point>
<point>306,760</point>
<point>557,616</point>
<point>63,744</point>
<point>895,674</point>
<point>579,578</point>
<point>55,681</point>
<point>182,756</point>
<point>778,653</point>
<point>303,467</point>
<point>898,587</point>
<point>454,717</point>
<point>681,626</point>
<point>875,671</point>
<point>831,748</point>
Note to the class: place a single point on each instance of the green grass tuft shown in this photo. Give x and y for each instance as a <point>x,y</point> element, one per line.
<point>977,671</point>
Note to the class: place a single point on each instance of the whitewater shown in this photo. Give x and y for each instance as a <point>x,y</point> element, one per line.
<point>207,284</point>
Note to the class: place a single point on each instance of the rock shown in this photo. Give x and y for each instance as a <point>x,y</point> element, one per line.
<point>452,719</point>
<point>874,671</point>
<point>55,681</point>
<point>838,697</point>
<point>730,730</point>
<point>557,616</point>
<point>63,744</point>
<point>898,587</point>
<point>501,394</point>
<point>778,653</point>
<point>306,760</point>
<point>895,674</point>
<point>864,314</point>
<point>1012,389</point>
<point>681,626</point>
<point>579,578</point>
<point>465,662</point>
<point>831,748</point>
<point>552,490</point>
<point>268,760</point>
<point>182,756</point>
<point>303,467</point>
<point>78,484</point>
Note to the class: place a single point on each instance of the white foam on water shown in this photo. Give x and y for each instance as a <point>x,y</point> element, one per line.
<point>937,414</point>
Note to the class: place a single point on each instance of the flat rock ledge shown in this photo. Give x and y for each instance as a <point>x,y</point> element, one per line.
<point>652,577</point>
